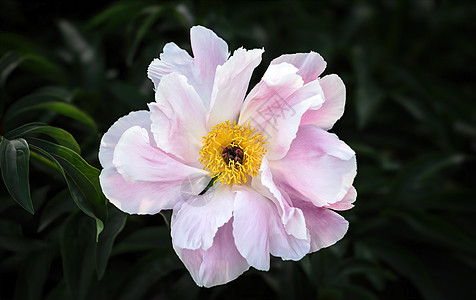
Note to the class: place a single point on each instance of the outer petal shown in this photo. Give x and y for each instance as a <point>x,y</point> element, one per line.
<point>219,264</point>
<point>325,226</point>
<point>333,107</point>
<point>143,197</point>
<point>258,230</point>
<point>275,106</point>
<point>310,65</point>
<point>112,136</point>
<point>230,86</point>
<point>209,52</point>
<point>251,227</point>
<point>178,118</point>
<point>173,59</point>
<point>286,246</point>
<point>291,217</point>
<point>136,160</point>
<point>131,135</point>
<point>346,202</point>
<point>195,224</point>
<point>318,166</point>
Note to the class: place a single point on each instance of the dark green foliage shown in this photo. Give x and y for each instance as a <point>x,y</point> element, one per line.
<point>69,69</point>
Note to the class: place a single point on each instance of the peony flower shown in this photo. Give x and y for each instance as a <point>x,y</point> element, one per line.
<point>246,175</point>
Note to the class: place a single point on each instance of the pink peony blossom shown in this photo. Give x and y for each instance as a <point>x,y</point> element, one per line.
<point>278,174</point>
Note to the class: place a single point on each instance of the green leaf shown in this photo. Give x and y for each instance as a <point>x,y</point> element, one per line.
<point>152,13</point>
<point>12,239</point>
<point>128,94</point>
<point>8,63</point>
<point>405,263</point>
<point>44,162</point>
<point>440,231</point>
<point>144,239</point>
<point>184,288</point>
<point>115,16</point>
<point>12,60</point>
<point>368,96</point>
<point>114,225</point>
<point>77,252</point>
<point>86,54</point>
<point>423,171</point>
<point>40,101</point>
<point>58,205</point>
<point>60,291</point>
<point>82,179</point>
<point>61,136</point>
<point>34,275</point>
<point>14,162</point>
<point>355,292</point>
<point>147,272</point>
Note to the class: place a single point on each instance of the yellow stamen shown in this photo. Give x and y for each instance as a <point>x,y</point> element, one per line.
<point>232,152</point>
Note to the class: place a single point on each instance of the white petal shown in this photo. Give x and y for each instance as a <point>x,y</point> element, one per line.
<point>144,197</point>
<point>258,230</point>
<point>178,118</point>
<point>291,217</point>
<point>318,166</point>
<point>251,227</point>
<point>325,226</point>
<point>333,107</point>
<point>209,50</point>
<point>310,65</point>
<point>230,86</point>
<point>173,59</point>
<point>275,107</point>
<point>114,133</point>
<point>346,202</point>
<point>196,222</point>
<point>136,160</point>
<point>219,264</point>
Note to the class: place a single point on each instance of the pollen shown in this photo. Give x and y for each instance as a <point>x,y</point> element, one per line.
<point>233,153</point>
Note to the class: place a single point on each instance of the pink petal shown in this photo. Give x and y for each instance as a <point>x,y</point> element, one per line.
<point>230,86</point>
<point>141,197</point>
<point>286,246</point>
<point>258,231</point>
<point>276,104</point>
<point>196,222</point>
<point>209,52</point>
<point>318,167</point>
<point>346,202</point>
<point>178,118</point>
<point>136,160</point>
<point>112,136</point>
<point>173,59</point>
<point>333,107</point>
<point>325,226</point>
<point>310,65</point>
<point>251,227</point>
<point>219,264</point>
<point>291,217</point>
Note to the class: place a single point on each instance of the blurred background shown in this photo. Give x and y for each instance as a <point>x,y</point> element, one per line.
<point>69,69</point>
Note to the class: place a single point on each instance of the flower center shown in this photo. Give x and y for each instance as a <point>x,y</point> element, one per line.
<point>232,152</point>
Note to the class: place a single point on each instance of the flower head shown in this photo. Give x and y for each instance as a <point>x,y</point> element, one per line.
<point>277,175</point>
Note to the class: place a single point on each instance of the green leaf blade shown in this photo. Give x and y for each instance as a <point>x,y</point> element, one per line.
<point>82,179</point>
<point>61,136</point>
<point>14,162</point>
